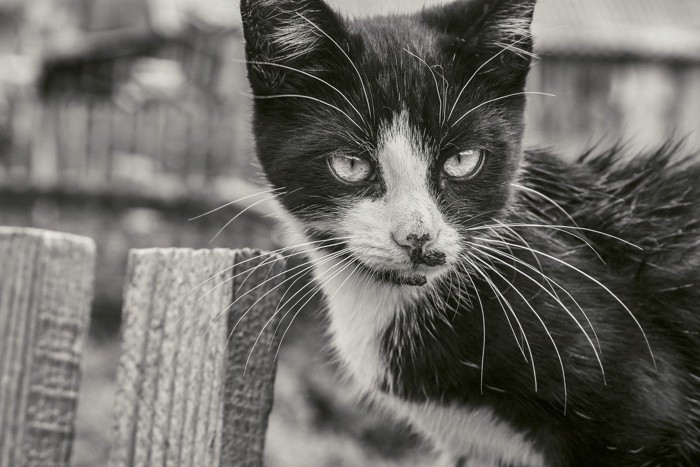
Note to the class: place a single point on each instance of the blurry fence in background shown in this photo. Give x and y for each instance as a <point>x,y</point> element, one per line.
<point>604,101</point>
<point>119,120</point>
<point>118,125</point>
<point>623,71</point>
<point>133,108</point>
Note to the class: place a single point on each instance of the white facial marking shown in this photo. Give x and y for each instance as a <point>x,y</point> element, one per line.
<point>407,208</point>
<point>360,309</point>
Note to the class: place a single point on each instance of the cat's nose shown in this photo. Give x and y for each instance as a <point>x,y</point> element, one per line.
<point>416,245</point>
<point>414,241</point>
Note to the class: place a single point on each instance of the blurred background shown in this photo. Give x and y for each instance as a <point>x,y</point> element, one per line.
<point>122,119</point>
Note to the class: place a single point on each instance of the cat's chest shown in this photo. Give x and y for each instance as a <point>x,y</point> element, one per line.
<point>359,316</point>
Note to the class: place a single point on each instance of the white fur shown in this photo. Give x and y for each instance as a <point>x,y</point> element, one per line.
<point>360,310</point>
<point>408,207</point>
<point>476,434</point>
<point>358,315</point>
<point>295,36</point>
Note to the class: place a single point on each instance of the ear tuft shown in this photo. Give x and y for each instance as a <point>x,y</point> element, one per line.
<point>289,33</point>
<point>509,26</point>
<point>485,29</point>
<point>486,23</point>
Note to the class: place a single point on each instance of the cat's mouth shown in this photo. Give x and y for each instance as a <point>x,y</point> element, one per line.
<point>416,274</point>
<point>413,278</point>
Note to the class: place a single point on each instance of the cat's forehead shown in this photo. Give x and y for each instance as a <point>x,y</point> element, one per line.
<point>393,43</point>
<point>383,34</point>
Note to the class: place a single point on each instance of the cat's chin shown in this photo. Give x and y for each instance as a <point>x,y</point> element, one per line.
<point>415,280</point>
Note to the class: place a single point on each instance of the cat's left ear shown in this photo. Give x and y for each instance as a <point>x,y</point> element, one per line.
<point>288,40</point>
<point>482,29</point>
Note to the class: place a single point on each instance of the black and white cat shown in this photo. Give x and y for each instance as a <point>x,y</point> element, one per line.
<point>516,309</point>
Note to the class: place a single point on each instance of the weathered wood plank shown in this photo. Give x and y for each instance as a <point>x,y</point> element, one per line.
<point>45,295</point>
<point>178,372</point>
<point>250,358</point>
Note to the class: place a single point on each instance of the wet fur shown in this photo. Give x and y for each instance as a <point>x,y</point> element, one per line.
<point>500,342</point>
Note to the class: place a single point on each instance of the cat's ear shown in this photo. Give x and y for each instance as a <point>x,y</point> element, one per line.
<point>287,40</point>
<point>482,29</point>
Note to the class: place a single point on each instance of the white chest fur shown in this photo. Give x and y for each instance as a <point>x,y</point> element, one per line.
<point>359,313</point>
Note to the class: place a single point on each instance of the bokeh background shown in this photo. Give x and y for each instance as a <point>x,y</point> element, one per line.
<point>122,119</point>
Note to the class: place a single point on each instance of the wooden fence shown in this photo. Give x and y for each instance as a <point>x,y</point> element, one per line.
<point>196,372</point>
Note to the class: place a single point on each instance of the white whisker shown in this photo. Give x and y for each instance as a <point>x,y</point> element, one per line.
<point>600,284</point>
<point>498,99</point>
<point>461,91</point>
<point>362,82</point>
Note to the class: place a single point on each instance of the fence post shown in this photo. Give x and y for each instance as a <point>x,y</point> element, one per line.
<point>45,294</point>
<point>183,398</point>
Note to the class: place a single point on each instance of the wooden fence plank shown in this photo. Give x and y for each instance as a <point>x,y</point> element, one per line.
<point>177,372</point>
<point>45,294</point>
<point>250,371</point>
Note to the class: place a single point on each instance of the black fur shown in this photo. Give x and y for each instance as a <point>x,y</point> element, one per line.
<point>645,410</point>
<point>640,414</point>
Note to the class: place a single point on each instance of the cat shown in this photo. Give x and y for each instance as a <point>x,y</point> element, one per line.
<point>515,309</point>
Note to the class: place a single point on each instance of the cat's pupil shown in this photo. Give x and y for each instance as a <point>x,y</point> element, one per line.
<point>463,164</point>
<point>350,169</point>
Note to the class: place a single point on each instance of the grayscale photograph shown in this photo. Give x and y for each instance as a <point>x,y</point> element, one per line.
<point>349,233</point>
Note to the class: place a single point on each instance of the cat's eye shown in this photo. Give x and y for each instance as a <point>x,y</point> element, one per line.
<point>464,164</point>
<point>351,169</point>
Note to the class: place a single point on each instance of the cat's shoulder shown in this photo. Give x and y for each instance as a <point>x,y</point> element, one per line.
<point>650,187</point>
<point>651,199</point>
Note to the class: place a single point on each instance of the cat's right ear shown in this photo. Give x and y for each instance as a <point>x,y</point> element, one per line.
<point>288,40</point>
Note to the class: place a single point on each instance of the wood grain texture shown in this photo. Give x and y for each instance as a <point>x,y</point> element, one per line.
<point>183,399</point>
<point>45,296</point>
<point>259,287</point>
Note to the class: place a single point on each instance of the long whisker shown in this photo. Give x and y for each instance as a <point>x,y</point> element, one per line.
<point>250,354</point>
<point>596,281</point>
<point>308,265</point>
<point>277,251</point>
<point>502,301</point>
<point>315,99</point>
<point>483,330</point>
<point>539,318</point>
<point>546,198</point>
<point>461,91</point>
<point>296,70</point>
<point>243,211</point>
<point>233,202</point>
<point>272,259</point>
<point>314,285</point>
<point>573,234</point>
<point>498,99</point>
<point>319,288</point>
<point>547,279</point>
<point>563,227</point>
<point>554,296</point>
<point>362,82</point>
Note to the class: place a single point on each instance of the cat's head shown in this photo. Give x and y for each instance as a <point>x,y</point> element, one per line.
<point>389,137</point>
